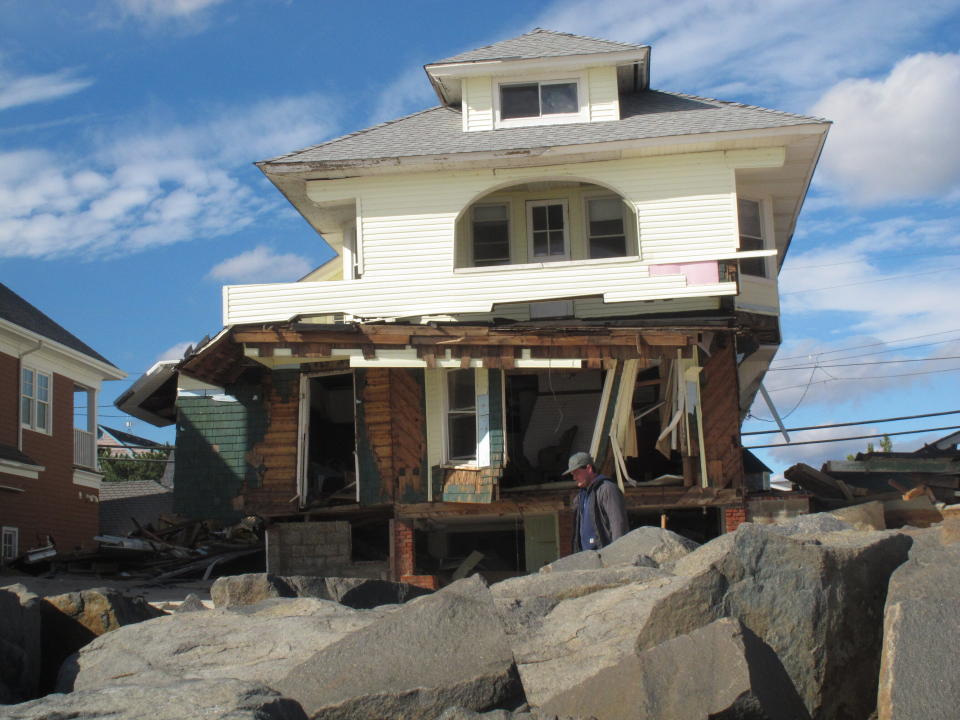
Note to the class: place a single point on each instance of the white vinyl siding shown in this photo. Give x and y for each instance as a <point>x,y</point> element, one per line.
<point>685,204</point>
<point>477,104</point>
<point>604,99</point>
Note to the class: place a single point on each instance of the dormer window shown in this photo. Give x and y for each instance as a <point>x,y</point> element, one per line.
<point>532,100</point>
<point>519,102</point>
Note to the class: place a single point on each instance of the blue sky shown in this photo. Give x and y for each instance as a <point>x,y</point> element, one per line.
<point>128,129</point>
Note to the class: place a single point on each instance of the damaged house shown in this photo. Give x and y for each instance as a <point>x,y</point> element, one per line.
<point>555,258</point>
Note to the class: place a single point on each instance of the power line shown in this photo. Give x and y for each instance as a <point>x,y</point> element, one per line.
<point>859,422</point>
<point>874,362</point>
<point>867,282</point>
<point>865,377</point>
<point>857,347</point>
<point>852,437</point>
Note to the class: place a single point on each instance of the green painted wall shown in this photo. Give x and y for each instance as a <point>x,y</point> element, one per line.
<point>213,438</point>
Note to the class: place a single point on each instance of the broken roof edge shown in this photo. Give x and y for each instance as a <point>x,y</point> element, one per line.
<point>143,388</point>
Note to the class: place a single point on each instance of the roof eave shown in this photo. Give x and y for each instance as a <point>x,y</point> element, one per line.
<point>358,166</point>
<point>508,66</point>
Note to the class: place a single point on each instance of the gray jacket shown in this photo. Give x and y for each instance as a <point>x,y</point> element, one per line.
<point>609,512</point>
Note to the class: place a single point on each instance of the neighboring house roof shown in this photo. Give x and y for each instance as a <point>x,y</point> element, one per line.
<point>144,500</point>
<point>644,115</point>
<point>14,309</point>
<point>540,43</point>
<point>127,440</point>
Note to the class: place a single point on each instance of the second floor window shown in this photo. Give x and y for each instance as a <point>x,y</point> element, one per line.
<point>751,237</point>
<point>491,234</point>
<point>536,99</point>
<point>35,400</point>
<point>547,229</point>
<point>605,227</point>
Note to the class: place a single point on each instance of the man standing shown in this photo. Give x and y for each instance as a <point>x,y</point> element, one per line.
<point>600,516</point>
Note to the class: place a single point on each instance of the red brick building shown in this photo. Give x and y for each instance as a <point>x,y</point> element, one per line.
<point>49,480</point>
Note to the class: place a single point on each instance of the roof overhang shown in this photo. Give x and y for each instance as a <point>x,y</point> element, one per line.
<point>446,77</point>
<point>104,369</point>
<point>149,398</point>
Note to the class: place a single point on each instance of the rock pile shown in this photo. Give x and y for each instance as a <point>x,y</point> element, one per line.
<point>789,621</point>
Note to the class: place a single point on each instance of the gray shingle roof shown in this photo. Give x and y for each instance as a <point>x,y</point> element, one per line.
<point>18,311</point>
<point>647,114</point>
<point>539,43</point>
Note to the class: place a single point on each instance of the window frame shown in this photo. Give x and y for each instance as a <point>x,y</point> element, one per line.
<point>531,252</point>
<point>583,106</point>
<point>34,401</point>
<point>628,251</point>
<point>448,457</point>
<point>508,205</point>
<point>7,532</point>
<point>764,239</point>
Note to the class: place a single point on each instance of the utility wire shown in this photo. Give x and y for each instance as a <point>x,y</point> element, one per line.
<point>852,437</point>
<point>874,362</point>
<point>858,347</point>
<point>859,422</point>
<point>865,377</point>
<point>867,282</point>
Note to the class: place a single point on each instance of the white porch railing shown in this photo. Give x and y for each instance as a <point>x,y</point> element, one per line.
<point>84,449</point>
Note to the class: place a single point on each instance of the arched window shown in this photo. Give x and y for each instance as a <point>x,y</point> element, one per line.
<point>551,221</point>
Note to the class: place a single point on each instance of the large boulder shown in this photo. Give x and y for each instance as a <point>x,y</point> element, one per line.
<point>584,560</point>
<point>442,650</point>
<point>865,516</point>
<point>921,633</point>
<point>720,670</point>
<point>257,642</point>
<point>194,699</point>
<point>72,620</point>
<point>20,644</point>
<point>640,546</point>
<point>584,635</point>
<point>523,602</point>
<point>358,593</point>
<point>817,600</point>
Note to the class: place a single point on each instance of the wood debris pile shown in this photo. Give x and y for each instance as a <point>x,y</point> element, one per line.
<point>913,489</point>
<point>169,549</point>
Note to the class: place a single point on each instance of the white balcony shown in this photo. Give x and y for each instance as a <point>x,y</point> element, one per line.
<point>84,449</point>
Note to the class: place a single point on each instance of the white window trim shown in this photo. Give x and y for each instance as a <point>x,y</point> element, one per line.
<point>582,115</point>
<point>445,426</point>
<point>32,425</point>
<point>9,531</point>
<point>764,208</point>
<point>505,203</point>
<point>630,250</point>
<point>566,230</point>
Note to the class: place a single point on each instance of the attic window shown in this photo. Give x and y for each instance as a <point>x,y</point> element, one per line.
<point>530,100</point>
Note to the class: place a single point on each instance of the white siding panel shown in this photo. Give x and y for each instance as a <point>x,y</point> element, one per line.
<point>603,97</point>
<point>477,104</point>
<point>686,207</point>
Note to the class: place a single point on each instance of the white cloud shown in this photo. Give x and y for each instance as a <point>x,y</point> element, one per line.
<point>29,89</point>
<point>174,352</point>
<point>915,261</point>
<point>162,9</point>
<point>784,51</point>
<point>152,184</point>
<point>897,137</point>
<point>261,265</point>
<point>410,91</point>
